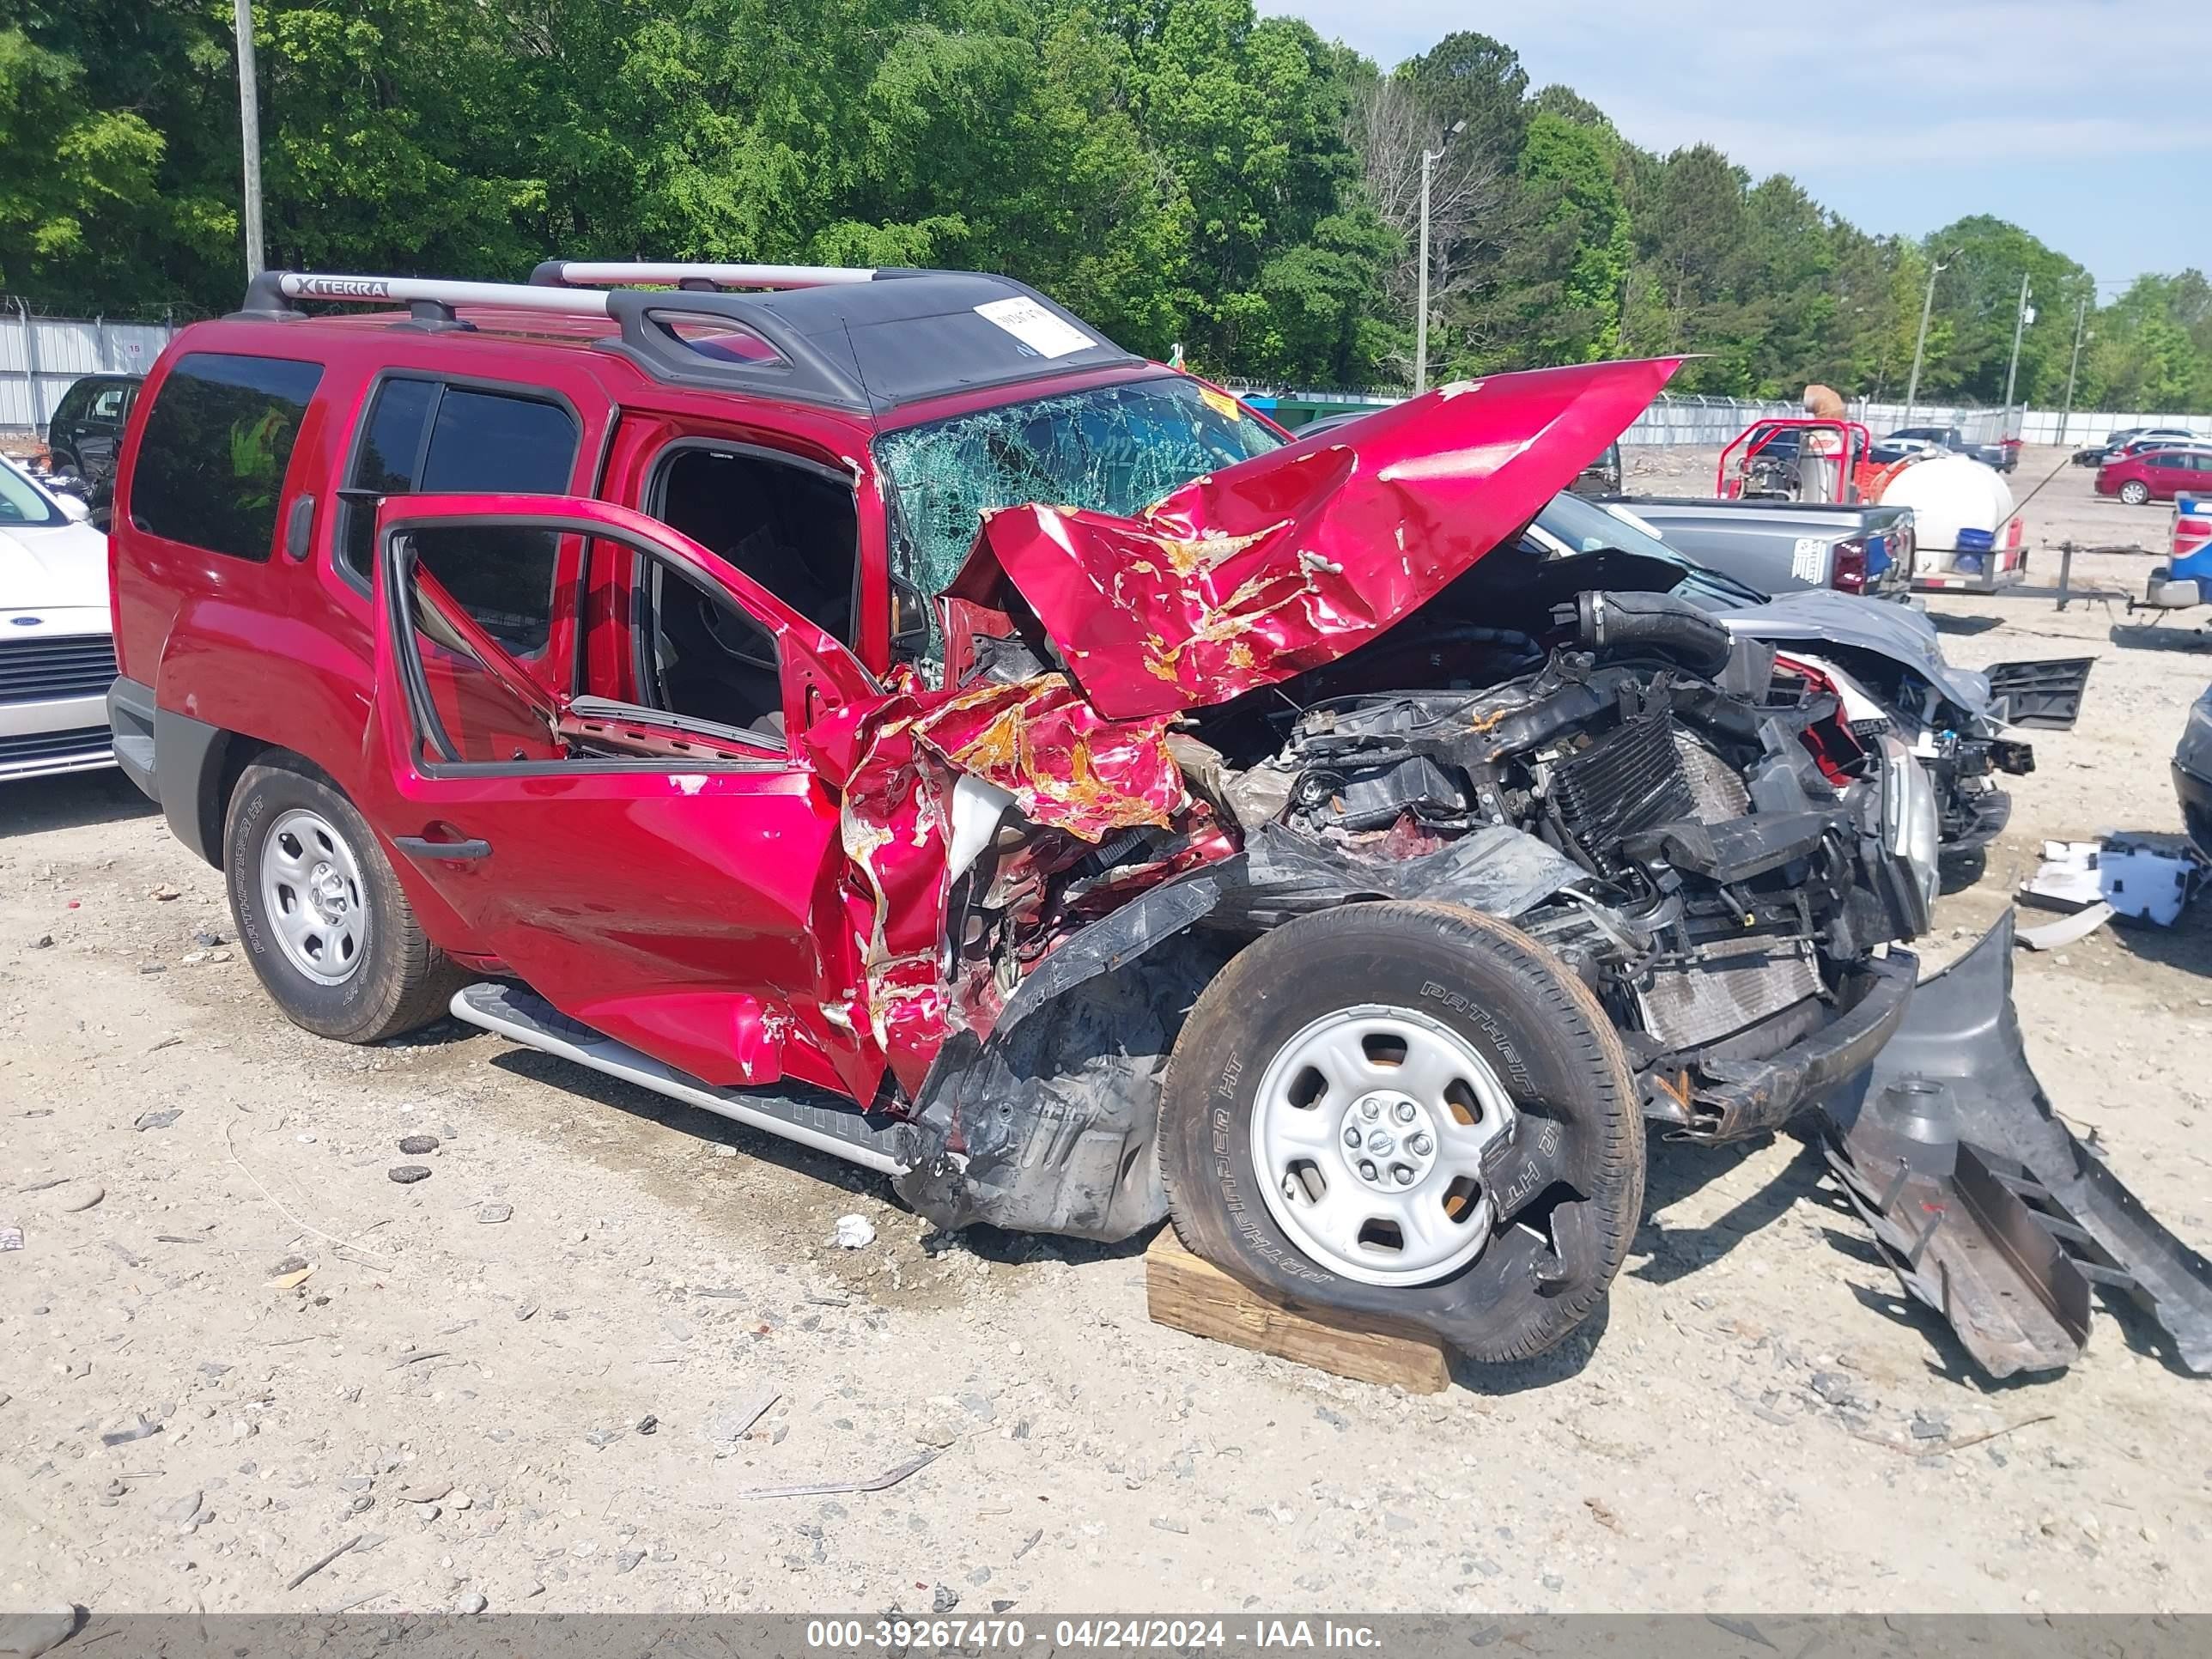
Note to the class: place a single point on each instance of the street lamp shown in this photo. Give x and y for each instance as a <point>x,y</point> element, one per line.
<point>2081,331</point>
<point>2021,319</point>
<point>1429,159</point>
<point>1935,267</point>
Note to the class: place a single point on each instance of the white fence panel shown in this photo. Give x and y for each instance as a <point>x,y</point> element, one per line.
<point>41,357</point>
<point>1713,420</point>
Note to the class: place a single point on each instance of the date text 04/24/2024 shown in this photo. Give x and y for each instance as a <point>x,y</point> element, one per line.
<point>984,1635</point>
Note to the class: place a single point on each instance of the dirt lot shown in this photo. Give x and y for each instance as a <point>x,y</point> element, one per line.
<point>557,1338</point>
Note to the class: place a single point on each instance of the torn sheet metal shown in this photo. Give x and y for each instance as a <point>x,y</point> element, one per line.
<point>1290,560</point>
<point>1065,765</point>
<point>1065,768</point>
<point>1988,1208</point>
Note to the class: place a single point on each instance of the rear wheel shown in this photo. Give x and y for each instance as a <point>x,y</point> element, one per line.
<point>1411,1113</point>
<point>2135,492</point>
<point>320,914</point>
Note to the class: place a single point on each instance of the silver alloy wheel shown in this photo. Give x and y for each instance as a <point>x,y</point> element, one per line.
<point>1368,1132</point>
<point>311,897</point>
<point>2135,492</point>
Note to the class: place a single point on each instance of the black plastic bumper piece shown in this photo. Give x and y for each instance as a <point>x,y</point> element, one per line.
<point>1989,1210</point>
<point>1731,1098</point>
<point>1735,849</point>
<point>131,719</point>
<point>174,759</point>
<point>1978,821</point>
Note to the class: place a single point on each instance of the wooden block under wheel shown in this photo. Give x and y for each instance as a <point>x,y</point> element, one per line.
<point>1189,1294</point>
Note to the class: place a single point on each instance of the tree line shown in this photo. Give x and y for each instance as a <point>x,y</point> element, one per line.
<point>1177,171</point>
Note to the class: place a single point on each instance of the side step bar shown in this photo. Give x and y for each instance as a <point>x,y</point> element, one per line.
<point>523,1016</point>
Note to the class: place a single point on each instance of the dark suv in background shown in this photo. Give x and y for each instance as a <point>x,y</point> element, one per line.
<point>85,435</point>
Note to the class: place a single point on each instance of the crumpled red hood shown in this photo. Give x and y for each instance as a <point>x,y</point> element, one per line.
<point>1290,560</point>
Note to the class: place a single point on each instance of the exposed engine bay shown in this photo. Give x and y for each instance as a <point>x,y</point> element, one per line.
<point>1697,834</point>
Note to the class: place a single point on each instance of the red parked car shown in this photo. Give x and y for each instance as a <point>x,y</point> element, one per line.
<point>2157,475</point>
<point>691,684</point>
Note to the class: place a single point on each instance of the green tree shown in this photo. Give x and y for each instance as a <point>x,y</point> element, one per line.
<point>1569,170</point>
<point>1978,298</point>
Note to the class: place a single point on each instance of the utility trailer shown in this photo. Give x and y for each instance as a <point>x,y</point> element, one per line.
<point>1974,569</point>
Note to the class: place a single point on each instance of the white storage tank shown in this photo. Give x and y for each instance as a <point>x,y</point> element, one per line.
<point>1958,504</point>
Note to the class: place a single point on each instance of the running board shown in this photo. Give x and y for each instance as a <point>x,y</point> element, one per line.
<point>525,1018</point>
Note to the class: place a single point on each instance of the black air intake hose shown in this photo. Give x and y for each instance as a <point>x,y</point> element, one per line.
<point>1656,622</point>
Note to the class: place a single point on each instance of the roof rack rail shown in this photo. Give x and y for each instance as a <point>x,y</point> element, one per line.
<point>603,273</point>
<point>270,292</point>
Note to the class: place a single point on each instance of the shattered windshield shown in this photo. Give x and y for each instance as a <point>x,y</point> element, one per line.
<point>1111,449</point>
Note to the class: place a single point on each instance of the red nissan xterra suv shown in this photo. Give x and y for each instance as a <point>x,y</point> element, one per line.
<point>874,707</point>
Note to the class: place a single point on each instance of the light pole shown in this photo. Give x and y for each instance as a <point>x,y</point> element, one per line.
<point>1935,268</point>
<point>249,123</point>
<point>2019,327</point>
<point>2073,365</point>
<point>1429,159</point>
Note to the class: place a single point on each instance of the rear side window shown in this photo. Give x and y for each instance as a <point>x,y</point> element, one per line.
<point>73,404</point>
<point>211,460</point>
<point>427,436</point>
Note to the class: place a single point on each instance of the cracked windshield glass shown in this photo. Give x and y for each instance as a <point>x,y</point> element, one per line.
<point>1111,449</point>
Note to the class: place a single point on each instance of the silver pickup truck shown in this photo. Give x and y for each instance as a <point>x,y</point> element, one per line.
<point>1783,547</point>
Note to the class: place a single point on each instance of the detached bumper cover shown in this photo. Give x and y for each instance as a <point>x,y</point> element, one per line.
<point>1990,1211</point>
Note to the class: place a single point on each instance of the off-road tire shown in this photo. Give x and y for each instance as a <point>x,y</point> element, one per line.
<point>2135,492</point>
<point>1516,1004</point>
<point>403,981</point>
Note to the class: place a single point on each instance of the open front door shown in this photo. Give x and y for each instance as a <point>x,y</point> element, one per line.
<point>647,847</point>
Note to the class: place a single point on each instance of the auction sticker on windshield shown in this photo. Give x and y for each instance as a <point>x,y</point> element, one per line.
<point>1036,327</point>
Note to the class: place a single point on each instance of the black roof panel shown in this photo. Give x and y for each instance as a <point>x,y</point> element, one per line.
<point>871,347</point>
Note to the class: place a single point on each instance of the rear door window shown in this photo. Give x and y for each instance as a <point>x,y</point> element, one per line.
<point>212,460</point>
<point>430,437</point>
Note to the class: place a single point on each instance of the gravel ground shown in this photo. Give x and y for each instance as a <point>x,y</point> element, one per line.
<point>536,1379</point>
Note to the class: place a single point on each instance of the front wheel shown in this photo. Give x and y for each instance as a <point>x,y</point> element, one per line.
<point>320,914</point>
<point>2135,492</point>
<point>1410,1113</point>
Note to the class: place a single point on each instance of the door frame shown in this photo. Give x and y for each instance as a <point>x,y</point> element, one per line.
<point>816,672</point>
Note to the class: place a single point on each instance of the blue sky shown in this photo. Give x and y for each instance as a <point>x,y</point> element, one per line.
<point>2088,122</point>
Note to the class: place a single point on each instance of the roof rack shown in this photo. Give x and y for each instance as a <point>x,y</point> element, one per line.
<point>268,294</point>
<point>843,336</point>
<point>601,273</point>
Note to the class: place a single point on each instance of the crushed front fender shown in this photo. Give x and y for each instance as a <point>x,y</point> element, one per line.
<point>1046,1123</point>
<point>1990,1211</point>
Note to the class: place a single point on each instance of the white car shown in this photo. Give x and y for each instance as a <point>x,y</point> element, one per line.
<point>57,649</point>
